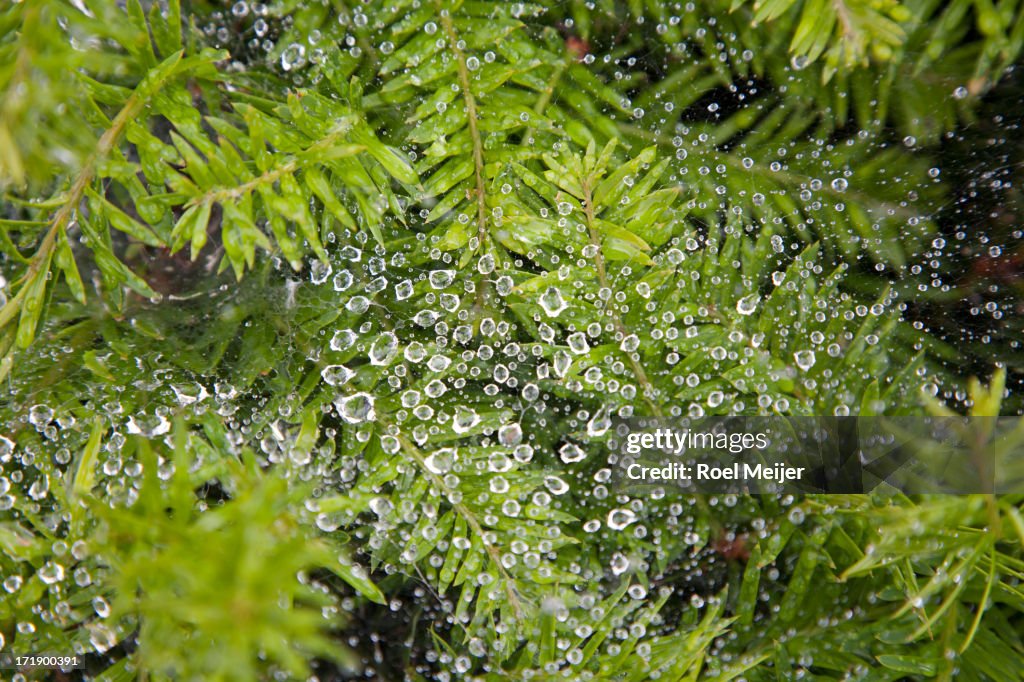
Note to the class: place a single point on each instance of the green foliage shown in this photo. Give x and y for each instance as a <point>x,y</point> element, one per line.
<point>859,57</point>
<point>467,238</point>
<point>179,598</point>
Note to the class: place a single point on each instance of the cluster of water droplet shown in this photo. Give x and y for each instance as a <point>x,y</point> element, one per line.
<point>463,399</point>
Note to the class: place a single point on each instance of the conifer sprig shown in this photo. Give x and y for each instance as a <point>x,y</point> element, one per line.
<point>467,239</point>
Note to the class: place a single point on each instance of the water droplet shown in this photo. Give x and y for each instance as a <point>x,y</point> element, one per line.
<point>563,361</point>
<point>101,637</point>
<point>390,444</point>
<point>51,573</point>
<point>319,271</point>
<point>343,339</point>
<point>384,349</point>
<point>439,363</point>
<point>293,57</point>
<point>337,375</point>
<point>599,424</point>
<point>6,448</point>
<point>148,425</point>
<point>620,518</point>
<point>556,485</point>
<point>356,408</point>
<point>425,318</point>
<point>100,606</point>
<point>415,352</point>
<point>329,523</point>
<point>381,506</point>
<point>485,265</point>
<point>342,280</point>
<point>552,302</point>
<point>439,279</point>
<point>187,394</point>
<point>570,453</point>
<point>578,343</point>
<point>441,461</point>
<point>630,343</point>
<point>805,359</point>
<point>403,290</point>
<point>40,416</point>
<point>748,304</point>
<point>510,435</point>
<point>435,389</point>
<point>357,304</point>
<point>464,420</point>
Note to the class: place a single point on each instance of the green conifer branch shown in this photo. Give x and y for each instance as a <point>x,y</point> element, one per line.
<point>217,417</point>
<point>471,119</point>
<point>649,392</point>
<point>465,512</point>
<point>38,267</point>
